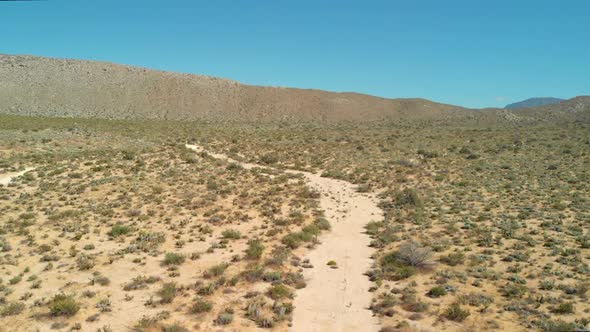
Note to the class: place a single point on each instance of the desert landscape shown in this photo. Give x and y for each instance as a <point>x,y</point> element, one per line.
<point>454,220</point>
<point>294,166</point>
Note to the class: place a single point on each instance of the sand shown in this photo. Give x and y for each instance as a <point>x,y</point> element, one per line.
<point>5,179</point>
<point>335,299</point>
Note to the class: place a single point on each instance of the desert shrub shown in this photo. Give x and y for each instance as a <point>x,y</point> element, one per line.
<point>455,313</point>
<point>85,262</point>
<point>322,223</point>
<point>255,249</point>
<point>146,323</point>
<point>231,234</point>
<point>168,292</point>
<point>224,318</point>
<point>215,270</point>
<point>172,258</point>
<point>253,273</point>
<point>294,279</point>
<point>271,276</point>
<point>63,305</point>
<point>559,325</point>
<point>476,299</point>
<point>104,305</point>
<point>269,158</point>
<point>234,167</point>
<point>564,308</point>
<point>12,309</point>
<point>512,290</point>
<point>408,197</point>
<point>415,306</point>
<point>279,291</point>
<point>393,269</point>
<point>175,327</point>
<point>413,255</point>
<point>200,306</point>
<point>453,259</point>
<point>373,227</point>
<point>207,289</point>
<point>278,256</point>
<point>311,230</point>
<point>428,154</point>
<point>294,240</point>
<point>119,229</point>
<point>101,280</point>
<point>15,280</point>
<point>404,263</point>
<point>147,241</point>
<point>547,284</point>
<point>437,291</point>
<point>140,282</point>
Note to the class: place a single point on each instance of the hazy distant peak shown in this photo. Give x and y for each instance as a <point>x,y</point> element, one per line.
<point>535,102</point>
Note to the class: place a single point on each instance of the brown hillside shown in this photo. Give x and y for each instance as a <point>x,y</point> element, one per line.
<point>75,88</point>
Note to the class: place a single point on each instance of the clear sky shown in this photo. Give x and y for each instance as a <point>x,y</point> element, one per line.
<point>474,53</point>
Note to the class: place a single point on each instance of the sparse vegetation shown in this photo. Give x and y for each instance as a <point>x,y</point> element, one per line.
<point>482,225</point>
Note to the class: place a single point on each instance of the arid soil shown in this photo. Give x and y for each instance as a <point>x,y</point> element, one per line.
<point>337,296</point>
<point>121,227</point>
<point>336,299</point>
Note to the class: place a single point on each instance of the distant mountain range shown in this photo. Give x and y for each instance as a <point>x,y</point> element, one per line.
<point>534,102</point>
<point>40,86</point>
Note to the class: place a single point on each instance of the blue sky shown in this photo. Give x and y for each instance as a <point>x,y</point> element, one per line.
<point>465,52</point>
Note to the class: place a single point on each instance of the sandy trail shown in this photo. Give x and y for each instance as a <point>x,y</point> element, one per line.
<point>7,177</point>
<point>335,299</point>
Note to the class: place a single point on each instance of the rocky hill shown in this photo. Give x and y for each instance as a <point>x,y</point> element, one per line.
<point>42,86</point>
<point>74,88</point>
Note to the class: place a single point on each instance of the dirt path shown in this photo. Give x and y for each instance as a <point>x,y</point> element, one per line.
<point>7,177</point>
<point>335,299</point>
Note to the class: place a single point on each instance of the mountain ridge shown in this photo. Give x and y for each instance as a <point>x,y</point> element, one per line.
<point>534,102</point>
<point>80,88</point>
<point>42,86</point>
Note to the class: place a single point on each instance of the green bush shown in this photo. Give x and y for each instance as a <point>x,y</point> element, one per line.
<point>294,240</point>
<point>514,290</point>
<point>564,308</point>
<point>119,229</point>
<point>224,318</point>
<point>255,249</point>
<point>279,291</point>
<point>172,258</point>
<point>456,313</point>
<point>63,305</point>
<point>200,306</point>
<point>231,234</point>
<point>12,309</point>
<point>176,327</point>
<point>437,291</point>
<point>559,326</point>
<point>215,270</point>
<point>168,292</point>
<point>405,262</point>
<point>453,259</point>
<point>269,158</point>
<point>322,223</point>
<point>408,197</point>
